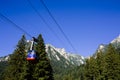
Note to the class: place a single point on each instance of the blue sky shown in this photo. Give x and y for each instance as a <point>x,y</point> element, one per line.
<point>87,23</point>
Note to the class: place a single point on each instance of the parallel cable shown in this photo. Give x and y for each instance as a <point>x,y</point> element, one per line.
<point>58,25</point>
<point>15,25</point>
<point>43,19</point>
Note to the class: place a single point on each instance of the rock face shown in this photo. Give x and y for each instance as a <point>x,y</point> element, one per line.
<point>5,58</point>
<point>59,55</point>
<point>115,42</point>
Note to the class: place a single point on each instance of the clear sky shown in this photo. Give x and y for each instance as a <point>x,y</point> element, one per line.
<point>87,23</point>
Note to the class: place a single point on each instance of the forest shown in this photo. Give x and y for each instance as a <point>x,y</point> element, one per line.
<point>101,66</point>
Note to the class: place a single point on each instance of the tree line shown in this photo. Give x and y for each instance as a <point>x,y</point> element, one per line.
<point>20,69</point>
<point>102,66</point>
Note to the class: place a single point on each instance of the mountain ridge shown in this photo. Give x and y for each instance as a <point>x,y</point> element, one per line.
<point>58,55</point>
<point>115,42</point>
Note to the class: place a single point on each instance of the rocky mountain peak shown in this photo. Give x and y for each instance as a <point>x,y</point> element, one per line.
<point>116,40</point>
<point>60,54</point>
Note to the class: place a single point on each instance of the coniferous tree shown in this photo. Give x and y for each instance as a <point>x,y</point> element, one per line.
<point>15,69</point>
<point>91,69</point>
<point>3,66</point>
<point>105,66</point>
<point>100,63</point>
<point>81,72</point>
<point>112,69</point>
<point>42,69</point>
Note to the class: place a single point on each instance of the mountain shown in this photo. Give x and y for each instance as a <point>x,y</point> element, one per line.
<point>115,42</point>
<point>61,61</point>
<point>3,59</point>
<point>59,55</point>
<point>102,47</point>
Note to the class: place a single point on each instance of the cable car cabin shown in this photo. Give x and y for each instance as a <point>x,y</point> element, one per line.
<point>31,55</point>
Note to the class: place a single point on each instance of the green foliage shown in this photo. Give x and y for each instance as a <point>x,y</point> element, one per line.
<point>112,64</point>
<point>102,66</point>
<point>74,73</point>
<point>91,69</point>
<point>105,66</point>
<point>43,69</point>
<point>21,69</point>
<point>3,65</point>
<point>15,69</point>
<point>100,63</point>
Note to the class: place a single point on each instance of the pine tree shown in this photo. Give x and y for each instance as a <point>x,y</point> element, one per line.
<point>42,69</point>
<point>15,69</point>
<point>100,65</point>
<point>91,69</point>
<point>112,69</point>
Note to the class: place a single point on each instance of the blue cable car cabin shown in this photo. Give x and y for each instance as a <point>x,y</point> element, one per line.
<point>31,55</point>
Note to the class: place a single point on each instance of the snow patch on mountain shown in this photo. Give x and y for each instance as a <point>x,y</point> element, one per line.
<point>57,58</point>
<point>60,52</point>
<point>5,58</point>
<point>116,40</point>
<point>103,47</point>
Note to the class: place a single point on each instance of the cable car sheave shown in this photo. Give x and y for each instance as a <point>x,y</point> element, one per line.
<point>31,56</point>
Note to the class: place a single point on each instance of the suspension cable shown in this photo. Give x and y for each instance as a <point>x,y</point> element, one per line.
<point>42,18</point>
<point>15,25</point>
<point>68,40</point>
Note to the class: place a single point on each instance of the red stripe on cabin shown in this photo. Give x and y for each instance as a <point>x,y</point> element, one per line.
<point>30,58</point>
